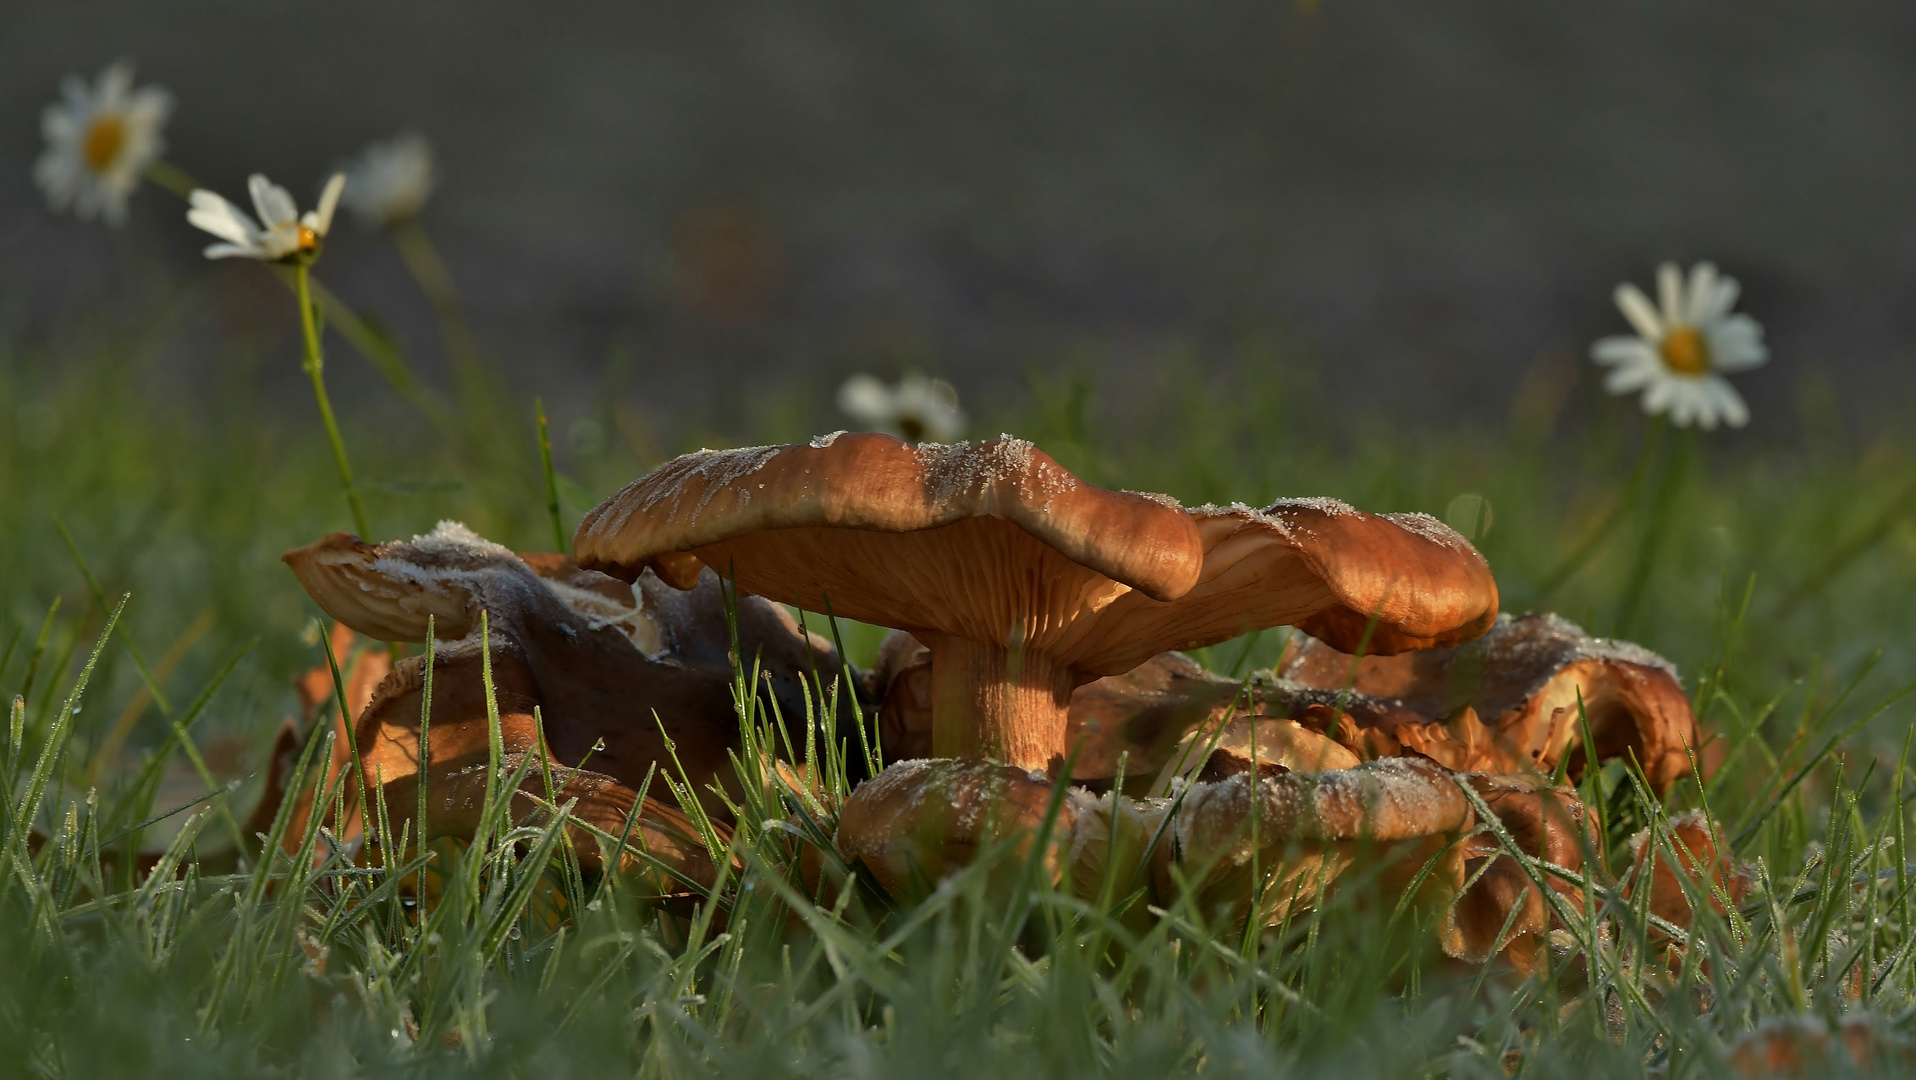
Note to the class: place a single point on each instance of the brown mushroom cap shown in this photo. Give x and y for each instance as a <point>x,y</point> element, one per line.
<point>1310,827</point>
<point>1024,581</point>
<point>919,820</point>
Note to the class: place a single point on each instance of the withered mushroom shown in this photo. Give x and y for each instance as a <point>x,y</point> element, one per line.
<point>1508,702</point>
<point>1023,581</point>
<point>571,643</point>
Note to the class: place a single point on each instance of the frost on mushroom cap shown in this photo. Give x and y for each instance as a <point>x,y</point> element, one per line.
<point>387,590</point>
<point>980,539</point>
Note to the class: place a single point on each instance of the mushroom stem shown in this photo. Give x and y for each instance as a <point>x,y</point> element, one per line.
<point>989,701</point>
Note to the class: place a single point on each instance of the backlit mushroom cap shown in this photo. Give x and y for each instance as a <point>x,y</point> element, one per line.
<point>918,821</point>
<point>1312,827</point>
<point>1544,822</point>
<point>1704,854</point>
<point>1508,702</point>
<point>1022,580</point>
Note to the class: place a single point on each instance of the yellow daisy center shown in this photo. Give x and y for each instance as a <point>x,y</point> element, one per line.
<point>911,427</point>
<point>104,138</point>
<point>308,239</point>
<point>1685,352</point>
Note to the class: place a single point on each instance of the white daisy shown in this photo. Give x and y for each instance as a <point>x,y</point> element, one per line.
<point>99,141</point>
<point>389,181</point>
<point>1682,348</point>
<point>281,233</point>
<point>916,410</point>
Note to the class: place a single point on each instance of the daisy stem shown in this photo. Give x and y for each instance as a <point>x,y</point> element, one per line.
<point>315,367</point>
<point>1669,483</point>
<point>552,480</point>
<point>1576,560</point>
<point>429,271</point>
<point>171,177</point>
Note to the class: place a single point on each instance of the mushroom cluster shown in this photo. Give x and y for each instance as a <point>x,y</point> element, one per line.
<point>1022,581</point>
<point>1408,723</point>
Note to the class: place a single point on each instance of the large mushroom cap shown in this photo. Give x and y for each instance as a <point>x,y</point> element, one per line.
<point>1025,581</point>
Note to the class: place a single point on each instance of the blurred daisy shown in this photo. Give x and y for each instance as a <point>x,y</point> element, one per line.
<point>1683,346</point>
<point>100,139</point>
<point>282,232</point>
<point>389,181</point>
<point>916,410</point>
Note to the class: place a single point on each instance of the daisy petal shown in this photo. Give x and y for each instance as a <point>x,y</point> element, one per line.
<point>1728,401</point>
<point>1636,308</point>
<point>1736,344</point>
<point>1657,397</point>
<point>1670,295</point>
<point>1625,380</point>
<point>115,82</point>
<point>1623,349</point>
<point>328,202</point>
<point>227,251</point>
<point>1700,300</point>
<point>221,218</point>
<point>275,206</point>
<point>1719,302</point>
<point>867,400</point>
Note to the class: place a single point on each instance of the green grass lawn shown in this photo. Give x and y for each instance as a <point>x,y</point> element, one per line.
<point>1778,578</point>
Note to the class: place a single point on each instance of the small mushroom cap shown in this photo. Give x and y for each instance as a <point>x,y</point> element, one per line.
<point>1543,821</point>
<point>919,820</point>
<point>996,543</point>
<point>1383,801</point>
<point>1309,828</point>
<point>1703,851</point>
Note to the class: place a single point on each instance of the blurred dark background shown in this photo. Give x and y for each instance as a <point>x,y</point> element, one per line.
<point>742,203</point>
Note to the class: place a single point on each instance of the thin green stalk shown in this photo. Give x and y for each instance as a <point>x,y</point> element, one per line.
<point>1575,561</point>
<point>315,367</point>
<point>429,271</point>
<point>171,177</point>
<point>1655,530</point>
<point>1847,552</point>
<point>552,481</point>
